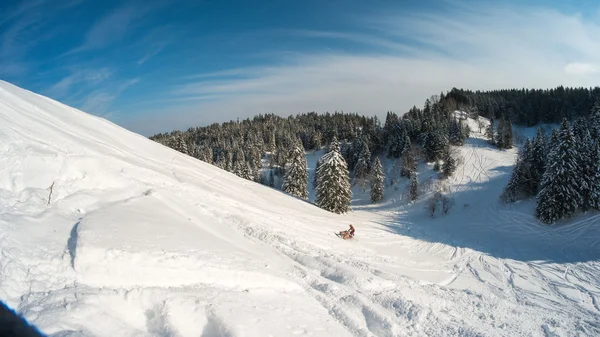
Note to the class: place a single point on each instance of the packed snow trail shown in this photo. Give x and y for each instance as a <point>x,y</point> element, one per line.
<point>140,240</point>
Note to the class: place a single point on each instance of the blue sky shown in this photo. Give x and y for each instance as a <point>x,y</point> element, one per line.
<point>153,66</point>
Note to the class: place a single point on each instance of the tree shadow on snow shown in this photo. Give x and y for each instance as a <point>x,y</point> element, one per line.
<point>499,230</point>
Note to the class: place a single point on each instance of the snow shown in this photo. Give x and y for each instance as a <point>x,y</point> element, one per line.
<point>140,240</point>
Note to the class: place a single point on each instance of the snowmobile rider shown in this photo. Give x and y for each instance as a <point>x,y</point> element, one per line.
<point>349,233</point>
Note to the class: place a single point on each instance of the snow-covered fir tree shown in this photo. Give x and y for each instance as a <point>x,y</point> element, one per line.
<point>520,183</point>
<point>178,143</point>
<point>333,191</point>
<point>457,132</point>
<point>414,188</point>
<point>362,169</point>
<point>466,130</point>
<point>409,163</point>
<point>246,171</point>
<point>559,196</point>
<point>504,139</point>
<point>490,131</point>
<point>434,145</point>
<point>594,180</point>
<point>585,146</point>
<point>396,140</point>
<point>449,165</point>
<point>537,160</point>
<point>377,181</point>
<point>595,121</point>
<point>295,180</point>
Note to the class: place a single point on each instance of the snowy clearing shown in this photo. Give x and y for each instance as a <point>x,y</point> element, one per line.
<point>106,233</point>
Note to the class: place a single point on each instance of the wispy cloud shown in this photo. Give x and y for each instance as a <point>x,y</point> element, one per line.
<point>24,27</point>
<point>99,100</point>
<point>78,76</point>
<point>153,52</point>
<point>113,27</point>
<point>582,68</point>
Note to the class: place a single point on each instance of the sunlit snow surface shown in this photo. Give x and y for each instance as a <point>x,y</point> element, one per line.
<point>139,240</point>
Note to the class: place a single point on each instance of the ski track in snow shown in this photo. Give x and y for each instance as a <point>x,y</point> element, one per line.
<point>139,240</point>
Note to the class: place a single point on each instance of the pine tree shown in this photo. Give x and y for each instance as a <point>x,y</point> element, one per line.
<point>435,143</point>
<point>396,140</point>
<point>505,134</point>
<point>179,144</point>
<point>490,132</point>
<point>455,132</point>
<point>414,188</point>
<point>594,180</point>
<point>595,121</point>
<point>520,183</point>
<point>537,160</point>
<point>409,164</point>
<point>244,170</point>
<point>362,169</point>
<point>585,147</point>
<point>377,181</point>
<point>295,180</point>
<point>449,165</point>
<point>559,195</point>
<point>333,191</point>
<point>466,131</point>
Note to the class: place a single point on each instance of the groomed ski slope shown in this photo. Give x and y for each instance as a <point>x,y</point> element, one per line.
<point>140,240</point>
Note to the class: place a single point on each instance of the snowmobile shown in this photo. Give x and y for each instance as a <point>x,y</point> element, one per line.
<point>348,234</point>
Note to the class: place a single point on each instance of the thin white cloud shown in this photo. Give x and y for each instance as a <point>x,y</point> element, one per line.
<point>113,27</point>
<point>582,68</point>
<point>99,101</point>
<point>153,52</point>
<point>87,77</point>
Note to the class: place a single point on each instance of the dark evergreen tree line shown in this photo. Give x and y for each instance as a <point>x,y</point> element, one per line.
<point>528,107</point>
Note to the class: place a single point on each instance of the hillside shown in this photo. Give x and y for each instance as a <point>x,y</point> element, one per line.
<point>106,233</point>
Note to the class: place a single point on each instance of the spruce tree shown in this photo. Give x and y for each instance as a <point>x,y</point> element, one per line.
<point>179,144</point>
<point>520,185</point>
<point>585,147</point>
<point>559,196</point>
<point>333,191</point>
<point>295,180</point>
<point>377,181</point>
<point>466,131</point>
<point>414,188</point>
<point>435,143</point>
<point>538,160</point>
<point>490,132</point>
<point>449,165</point>
<point>362,169</point>
<point>409,164</point>
<point>595,121</point>
<point>455,132</point>
<point>594,180</point>
<point>504,139</point>
<point>396,140</point>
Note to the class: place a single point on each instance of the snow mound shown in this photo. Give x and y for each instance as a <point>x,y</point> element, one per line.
<point>111,251</point>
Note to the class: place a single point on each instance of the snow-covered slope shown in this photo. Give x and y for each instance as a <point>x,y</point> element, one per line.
<point>137,239</point>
